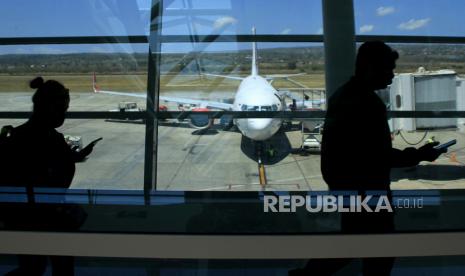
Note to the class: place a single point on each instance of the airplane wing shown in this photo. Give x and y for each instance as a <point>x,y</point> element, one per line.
<point>137,95</point>
<point>199,103</point>
<point>223,76</point>
<point>284,76</point>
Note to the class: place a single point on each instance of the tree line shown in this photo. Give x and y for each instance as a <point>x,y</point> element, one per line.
<point>271,61</point>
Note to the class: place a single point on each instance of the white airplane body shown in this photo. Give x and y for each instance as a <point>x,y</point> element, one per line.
<point>255,93</point>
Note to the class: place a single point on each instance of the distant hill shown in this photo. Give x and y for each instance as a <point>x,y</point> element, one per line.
<point>276,60</point>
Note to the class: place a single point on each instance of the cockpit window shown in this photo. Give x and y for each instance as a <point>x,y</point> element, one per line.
<point>265,108</point>
<point>253,108</point>
<point>245,107</point>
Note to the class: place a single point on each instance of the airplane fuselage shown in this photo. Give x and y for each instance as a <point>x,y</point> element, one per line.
<point>255,93</point>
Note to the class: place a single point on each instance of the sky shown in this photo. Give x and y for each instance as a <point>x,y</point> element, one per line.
<point>45,18</point>
<point>410,17</point>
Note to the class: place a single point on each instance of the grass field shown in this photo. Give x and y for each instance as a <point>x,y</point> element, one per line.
<point>138,82</point>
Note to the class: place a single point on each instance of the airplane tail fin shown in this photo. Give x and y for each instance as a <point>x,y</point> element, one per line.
<point>254,55</point>
<point>95,86</point>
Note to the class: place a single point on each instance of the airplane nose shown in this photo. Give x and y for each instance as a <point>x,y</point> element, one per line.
<point>258,129</point>
<point>259,124</point>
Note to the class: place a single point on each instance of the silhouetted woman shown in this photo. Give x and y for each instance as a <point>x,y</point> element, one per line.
<point>38,156</point>
<point>41,157</point>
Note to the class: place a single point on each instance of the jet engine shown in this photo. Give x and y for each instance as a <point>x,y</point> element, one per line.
<point>226,122</point>
<point>200,121</point>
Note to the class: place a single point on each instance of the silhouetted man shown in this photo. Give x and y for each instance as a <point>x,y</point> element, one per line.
<point>357,153</point>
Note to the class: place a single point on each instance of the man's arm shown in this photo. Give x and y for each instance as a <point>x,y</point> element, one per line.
<point>404,158</point>
<point>411,156</point>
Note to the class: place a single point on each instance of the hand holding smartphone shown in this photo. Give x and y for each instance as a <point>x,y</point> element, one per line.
<point>446,145</point>
<point>88,149</point>
<point>94,142</point>
<point>81,155</point>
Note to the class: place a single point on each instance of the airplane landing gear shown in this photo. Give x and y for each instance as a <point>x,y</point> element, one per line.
<point>261,166</point>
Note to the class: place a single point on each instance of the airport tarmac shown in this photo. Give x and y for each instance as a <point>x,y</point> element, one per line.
<point>214,161</point>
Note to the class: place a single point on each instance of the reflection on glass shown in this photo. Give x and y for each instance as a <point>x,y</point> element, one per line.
<point>237,17</point>
<point>77,18</point>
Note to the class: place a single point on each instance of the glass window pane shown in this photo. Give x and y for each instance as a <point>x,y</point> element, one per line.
<point>425,17</point>
<point>444,173</point>
<point>428,58</point>
<point>196,155</point>
<point>54,18</point>
<point>116,162</point>
<point>429,77</point>
<point>117,67</point>
<point>238,17</point>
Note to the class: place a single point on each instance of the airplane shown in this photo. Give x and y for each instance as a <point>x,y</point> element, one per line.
<point>255,93</point>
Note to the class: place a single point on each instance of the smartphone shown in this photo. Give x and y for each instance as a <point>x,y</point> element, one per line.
<point>95,141</point>
<point>446,145</point>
